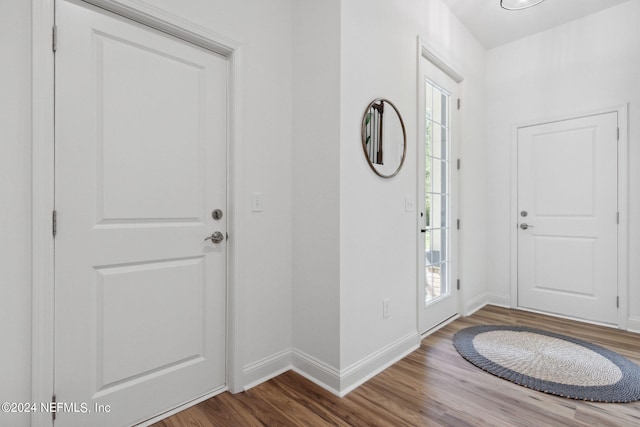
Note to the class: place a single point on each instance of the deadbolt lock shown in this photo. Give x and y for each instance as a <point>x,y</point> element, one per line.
<point>216,214</point>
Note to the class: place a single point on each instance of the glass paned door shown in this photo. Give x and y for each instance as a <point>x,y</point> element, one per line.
<point>437,274</point>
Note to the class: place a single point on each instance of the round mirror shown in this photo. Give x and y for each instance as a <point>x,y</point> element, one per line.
<point>384,139</point>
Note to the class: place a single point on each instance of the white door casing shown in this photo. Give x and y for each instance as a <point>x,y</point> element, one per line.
<point>567,261</point>
<point>140,299</point>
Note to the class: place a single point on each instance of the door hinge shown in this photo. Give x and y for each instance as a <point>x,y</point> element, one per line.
<point>458,224</point>
<point>618,134</point>
<point>618,218</point>
<point>458,164</point>
<point>54,38</point>
<point>459,103</point>
<point>458,284</point>
<point>617,302</point>
<point>54,222</point>
<point>53,407</point>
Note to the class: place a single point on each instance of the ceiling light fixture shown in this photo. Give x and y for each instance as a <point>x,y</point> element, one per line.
<point>518,4</point>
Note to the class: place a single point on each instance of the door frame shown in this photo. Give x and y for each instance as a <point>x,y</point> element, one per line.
<point>43,187</point>
<point>429,53</point>
<point>623,209</point>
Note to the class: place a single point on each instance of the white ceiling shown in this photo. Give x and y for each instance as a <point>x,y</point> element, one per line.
<point>494,26</point>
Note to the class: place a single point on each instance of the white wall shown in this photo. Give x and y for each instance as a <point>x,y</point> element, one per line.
<point>354,244</point>
<point>15,224</point>
<point>579,67</point>
<point>316,186</point>
<point>378,256</point>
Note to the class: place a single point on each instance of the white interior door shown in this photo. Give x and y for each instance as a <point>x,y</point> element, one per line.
<point>437,195</point>
<point>567,211</point>
<point>140,296</point>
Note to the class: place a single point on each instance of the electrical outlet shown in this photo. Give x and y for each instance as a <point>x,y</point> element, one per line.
<point>257,202</point>
<point>385,308</point>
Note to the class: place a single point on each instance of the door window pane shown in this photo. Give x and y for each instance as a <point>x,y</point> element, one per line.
<point>433,284</point>
<point>442,143</point>
<point>438,210</point>
<point>438,246</point>
<point>429,102</point>
<point>439,177</point>
<point>428,203</point>
<point>428,138</point>
<point>440,107</point>
<point>438,142</point>
<point>436,148</point>
<point>427,245</point>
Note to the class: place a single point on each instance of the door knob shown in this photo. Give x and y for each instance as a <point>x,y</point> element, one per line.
<point>524,226</point>
<point>216,237</point>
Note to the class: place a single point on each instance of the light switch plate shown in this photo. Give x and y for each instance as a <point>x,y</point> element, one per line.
<point>386,309</point>
<point>409,204</point>
<point>257,202</point>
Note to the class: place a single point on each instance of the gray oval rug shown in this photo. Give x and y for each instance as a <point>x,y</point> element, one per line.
<point>551,363</point>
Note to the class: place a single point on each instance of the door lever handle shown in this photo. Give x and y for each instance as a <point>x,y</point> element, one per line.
<point>424,230</point>
<point>216,237</point>
<point>525,226</point>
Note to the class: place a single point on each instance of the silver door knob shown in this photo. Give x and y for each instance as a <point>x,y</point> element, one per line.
<point>524,226</point>
<point>216,237</point>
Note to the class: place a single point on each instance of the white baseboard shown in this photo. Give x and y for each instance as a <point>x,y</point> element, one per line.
<point>370,366</point>
<point>263,370</point>
<point>342,382</point>
<point>633,324</point>
<point>475,304</point>
<point>316,371</point>
<point>488,298</point>
<point>501,300</point>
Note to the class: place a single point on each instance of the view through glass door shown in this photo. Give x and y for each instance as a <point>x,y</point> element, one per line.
<point>438,293</point>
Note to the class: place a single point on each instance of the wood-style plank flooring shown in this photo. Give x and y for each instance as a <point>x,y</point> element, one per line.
<point>433,386</point>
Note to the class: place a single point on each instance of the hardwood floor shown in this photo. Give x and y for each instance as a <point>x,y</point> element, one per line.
<point>433,386</point>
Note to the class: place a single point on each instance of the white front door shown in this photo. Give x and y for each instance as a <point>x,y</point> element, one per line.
<point>567,218</point>
<point>140,296</point>
<point>437,291</point>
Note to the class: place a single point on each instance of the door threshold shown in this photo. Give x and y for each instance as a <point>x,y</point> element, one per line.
<point>439,326</point>
<point>576,319</point>
<point>182,407</point>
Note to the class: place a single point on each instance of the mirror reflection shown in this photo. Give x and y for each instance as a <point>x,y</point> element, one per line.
<point>384,138</point>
